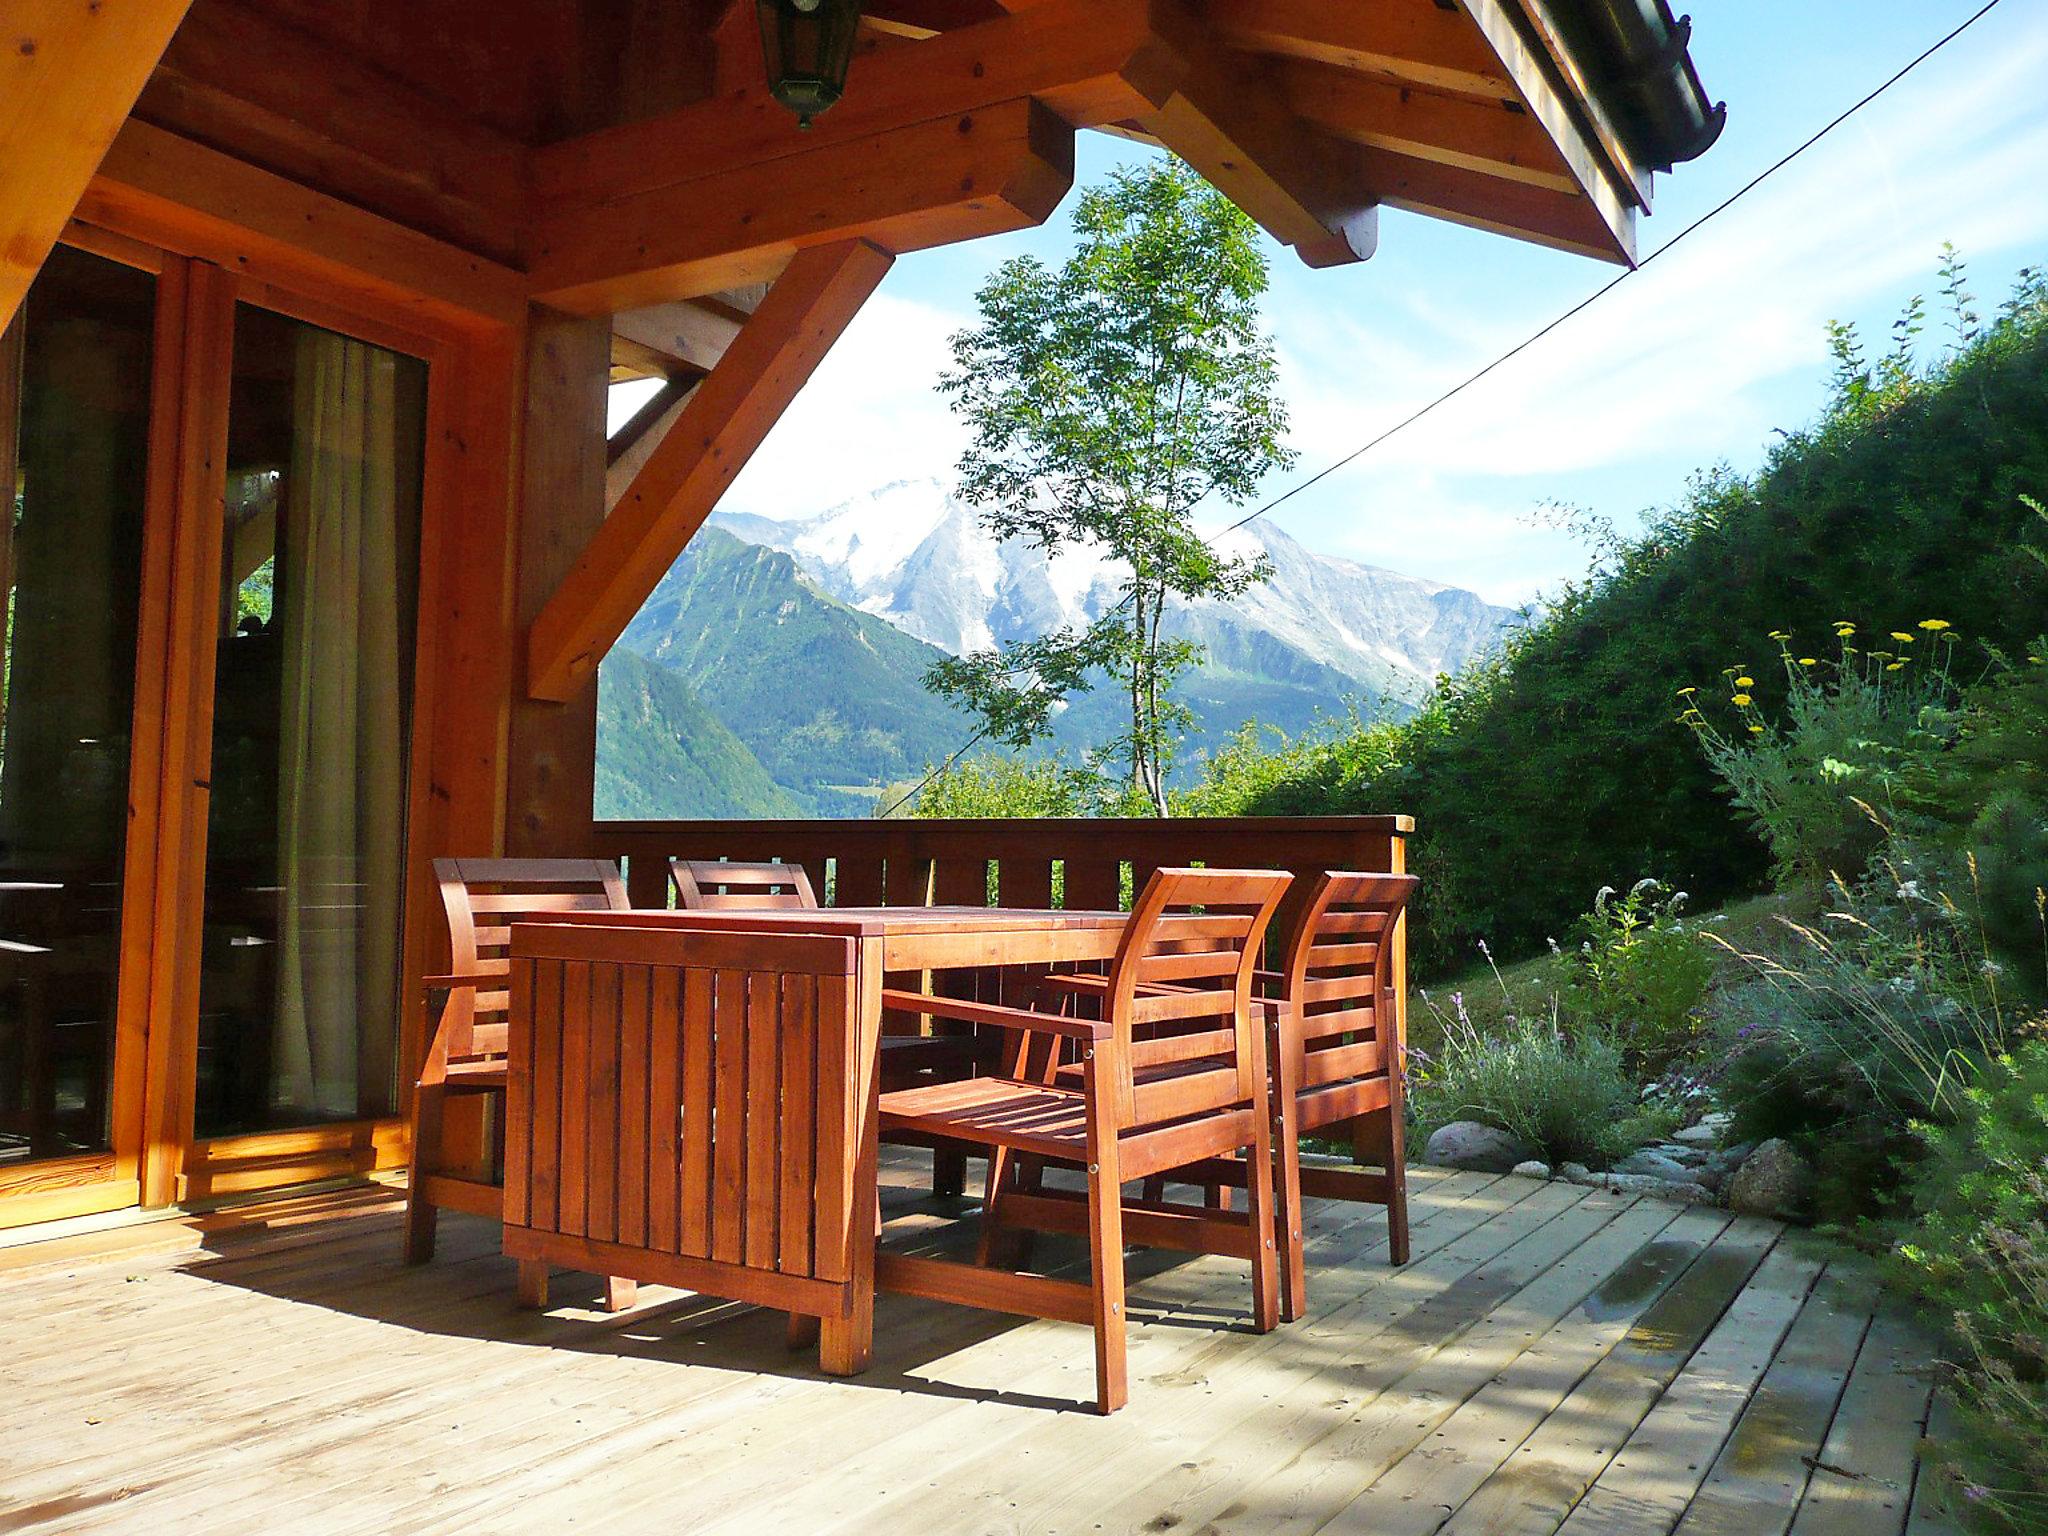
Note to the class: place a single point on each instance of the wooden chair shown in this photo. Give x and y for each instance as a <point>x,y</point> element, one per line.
<point>1336,1056</point>
<point>471,1023</point>
<point>1161,1080</point>
<point>707,885</point>
<point>710,885</point>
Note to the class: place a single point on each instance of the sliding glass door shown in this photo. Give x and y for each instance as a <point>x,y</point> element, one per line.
<point>210,514</point>
<point>75,372</point>
<point>305,839</point>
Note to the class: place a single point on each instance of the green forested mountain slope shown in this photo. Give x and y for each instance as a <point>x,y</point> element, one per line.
<point>829,699</point>
<point>661,753</point>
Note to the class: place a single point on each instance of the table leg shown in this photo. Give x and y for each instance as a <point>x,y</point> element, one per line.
<point>846,1345</point>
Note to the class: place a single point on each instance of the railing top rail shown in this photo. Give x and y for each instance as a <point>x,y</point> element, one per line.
<point>853,828</point>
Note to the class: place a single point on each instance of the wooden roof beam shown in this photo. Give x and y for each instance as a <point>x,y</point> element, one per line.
<point>70,71</point>
<point>1614,188</point>
<point>1090,61</point>
<point>1228,120</point>
<point>932,183</point>
<point>688,335</point>
<point>1409,40</point>
<point>724,422</point>
<point>1490,137</point>
<point>1562,220</point>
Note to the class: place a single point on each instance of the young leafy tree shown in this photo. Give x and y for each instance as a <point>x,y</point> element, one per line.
<point>1110,400</point>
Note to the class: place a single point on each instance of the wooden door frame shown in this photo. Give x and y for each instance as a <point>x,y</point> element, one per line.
<point>460,701</point>
<point>88,1183</point>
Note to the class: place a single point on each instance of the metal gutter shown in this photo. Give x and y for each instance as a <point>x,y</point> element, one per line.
<point>1632,55</point>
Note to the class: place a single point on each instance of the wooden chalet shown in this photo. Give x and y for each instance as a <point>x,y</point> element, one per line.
<point>309,314</point>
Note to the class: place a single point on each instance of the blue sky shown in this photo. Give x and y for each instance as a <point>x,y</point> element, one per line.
<point>1689,363</point>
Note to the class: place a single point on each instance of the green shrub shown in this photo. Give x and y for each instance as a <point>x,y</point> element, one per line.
<point>1822,785</point>
<point>1841,1055</point>
<point>1976,1251</point>
<point>1006,785</point>
<point>1570,1096</point>
<point>1639,974</point>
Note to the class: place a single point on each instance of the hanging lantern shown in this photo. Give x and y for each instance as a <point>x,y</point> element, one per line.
<point>808,44</point>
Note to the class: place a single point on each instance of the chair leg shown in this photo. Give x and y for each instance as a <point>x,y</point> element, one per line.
<point>1396,1165</point>
<point>533,1284</point>
<point>1106,1249</point>
<point>999,1164</point>
<point>1153,1191</point>
<point>1287,1202</point>
<point>419,1211</point>
<point>949,1172</point>
<point>620,1293</point>
<point>1258,1201</point>
<point>803,1330</point>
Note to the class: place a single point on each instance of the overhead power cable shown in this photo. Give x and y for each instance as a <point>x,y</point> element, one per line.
<point>1537,335</point>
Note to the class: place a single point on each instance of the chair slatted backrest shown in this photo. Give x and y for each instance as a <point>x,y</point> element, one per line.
<point>708,885</point>
<point>483,899</point>
<point>1338,975</point>
<point>1180,992</point>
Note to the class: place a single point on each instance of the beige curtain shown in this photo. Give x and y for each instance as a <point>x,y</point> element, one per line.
<point>341,795</point>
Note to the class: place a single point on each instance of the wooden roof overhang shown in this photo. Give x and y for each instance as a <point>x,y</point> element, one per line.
<point>462,161</point>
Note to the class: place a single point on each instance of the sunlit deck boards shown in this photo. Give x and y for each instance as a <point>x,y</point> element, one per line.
<point>1554,1359</point>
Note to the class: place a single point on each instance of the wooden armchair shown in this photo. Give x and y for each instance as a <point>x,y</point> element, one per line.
<point>1337,1056</point>
<point>471,1009</point>
<point>1160,1080</point>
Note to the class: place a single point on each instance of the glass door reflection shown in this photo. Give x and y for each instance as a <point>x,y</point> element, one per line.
<point>300,961</point>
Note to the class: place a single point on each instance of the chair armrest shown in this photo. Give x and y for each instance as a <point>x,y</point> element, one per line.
<point>454,983</point>
<point>998,1015</point>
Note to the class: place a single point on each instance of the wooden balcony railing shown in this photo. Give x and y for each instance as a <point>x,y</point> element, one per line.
<point>1081,863</point>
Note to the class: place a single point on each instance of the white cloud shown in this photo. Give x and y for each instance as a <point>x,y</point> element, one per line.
<point>869,416</point>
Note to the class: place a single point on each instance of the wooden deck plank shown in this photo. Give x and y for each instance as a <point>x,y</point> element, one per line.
<point>1757,1481</point>
<point>1537,1487</point>
<point>1654,1476</point>
<point>1934,1493</point>
<point>1174,1313</point>
<point>1078,1477</point>
<point>1552,1358</point>
<point>1469,1444</point>
<point>1862,1480</point>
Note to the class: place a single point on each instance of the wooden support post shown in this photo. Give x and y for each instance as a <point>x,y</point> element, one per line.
<point>718,431</point>
<point>70,71</point>
<point>554,745</point>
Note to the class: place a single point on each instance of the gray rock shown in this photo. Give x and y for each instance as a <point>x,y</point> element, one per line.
<point>1655,1165</point>
<point>1709,1131</point>
<point>1774,1180</point>
<point>1532,1169</point>
<point>1689,1157</point>
<point>1480,1148</point>
<point>1576,1173</point>
<point>1661,1189</point>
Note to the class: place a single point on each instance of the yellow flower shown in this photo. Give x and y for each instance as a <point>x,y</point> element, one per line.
<point>1741,701</point>
<point>1809,661</point>
<point>1745,682</point>
<point>1902,637</point>
<point>1779,634</point>
<point>1687,692</point>
<point>1844,631</point>
<point>1934,623</point>
<point>1756,730</point>
<point>1894,666</point>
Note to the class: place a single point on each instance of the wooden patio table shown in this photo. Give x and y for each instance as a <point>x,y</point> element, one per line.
<point>650,1130</point>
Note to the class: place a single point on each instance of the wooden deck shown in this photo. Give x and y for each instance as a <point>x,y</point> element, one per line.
<point>1555,1359</point>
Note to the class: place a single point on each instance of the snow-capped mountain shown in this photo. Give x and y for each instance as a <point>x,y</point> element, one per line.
<point>911,554</point>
